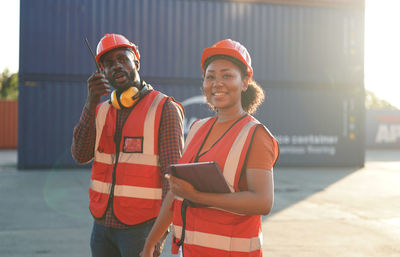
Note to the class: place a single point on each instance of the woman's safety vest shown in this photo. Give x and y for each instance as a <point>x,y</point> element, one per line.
<point>131,175</point>
<point>212,231</point>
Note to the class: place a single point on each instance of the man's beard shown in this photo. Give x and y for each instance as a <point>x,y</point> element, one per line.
<point>133,81</point>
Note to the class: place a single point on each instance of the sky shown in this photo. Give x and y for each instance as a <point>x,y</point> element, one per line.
<point>382,45</point>
<point>9,27</point>
<point>382,49</point>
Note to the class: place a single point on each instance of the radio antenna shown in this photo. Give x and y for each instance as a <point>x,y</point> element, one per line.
<point>94,57</point>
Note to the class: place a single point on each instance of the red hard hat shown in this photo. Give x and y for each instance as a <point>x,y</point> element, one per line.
<point>231,48</point>
<point>112,41</point>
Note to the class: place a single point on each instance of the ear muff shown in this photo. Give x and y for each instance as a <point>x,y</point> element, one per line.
<point>127,98</point>
<point>114,100</point>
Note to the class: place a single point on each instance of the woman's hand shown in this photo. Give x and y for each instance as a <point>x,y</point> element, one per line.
<point>159,230</point>
<point>258,200</point>
<point>182,188</point>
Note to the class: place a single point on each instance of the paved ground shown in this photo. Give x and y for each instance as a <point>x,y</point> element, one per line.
<point>318,212</point>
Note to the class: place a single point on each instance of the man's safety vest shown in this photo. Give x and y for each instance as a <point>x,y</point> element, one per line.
<point>212,231</point>
<point>131,175</point>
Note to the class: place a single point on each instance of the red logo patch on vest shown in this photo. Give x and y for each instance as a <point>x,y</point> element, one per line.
<point>133,145</point>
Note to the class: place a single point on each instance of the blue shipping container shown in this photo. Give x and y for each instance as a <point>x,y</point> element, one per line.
<point>383,129</point>
<point>308,58</point>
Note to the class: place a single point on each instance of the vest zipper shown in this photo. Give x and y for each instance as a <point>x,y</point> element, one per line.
<point>117,141</point>
<point>118,135</point>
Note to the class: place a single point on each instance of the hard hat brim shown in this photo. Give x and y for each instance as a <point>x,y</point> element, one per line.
<point>98,56</point>
<point>212,51</point>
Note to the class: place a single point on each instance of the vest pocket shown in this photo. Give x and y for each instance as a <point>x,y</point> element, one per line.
<point>135,202</point>
<point>106,143</point>
<point>210,234</point>
<point>137,186</point>
<point>98,187</point>
<point>135,211</point>
<point>143,176</point>
<point>217,216</point>
<point>93,195</point>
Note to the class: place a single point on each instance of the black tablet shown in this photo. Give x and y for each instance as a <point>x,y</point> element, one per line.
<point>204,176</point>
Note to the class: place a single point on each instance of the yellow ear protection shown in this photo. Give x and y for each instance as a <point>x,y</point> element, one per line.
<point>127,98</point>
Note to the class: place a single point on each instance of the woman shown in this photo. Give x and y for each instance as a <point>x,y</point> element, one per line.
<point>246,153</point>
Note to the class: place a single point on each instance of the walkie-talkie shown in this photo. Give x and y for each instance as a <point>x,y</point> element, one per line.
<point>94,57</point>
<point>99,70</point>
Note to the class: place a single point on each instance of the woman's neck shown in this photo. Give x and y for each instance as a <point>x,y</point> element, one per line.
<point>227,115</point>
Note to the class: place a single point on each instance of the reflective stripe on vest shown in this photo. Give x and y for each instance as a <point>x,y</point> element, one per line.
<point>225,243</point>
<point>232,160</point>
<point>148,131</point>
<point>100,121</point>
<point>209,237</point>
<point>147,157</point>
<point>135,182</point>
<point>193,130</point>
<point>127,191</point>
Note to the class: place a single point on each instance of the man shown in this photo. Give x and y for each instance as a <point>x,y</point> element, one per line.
<point>131,139</point>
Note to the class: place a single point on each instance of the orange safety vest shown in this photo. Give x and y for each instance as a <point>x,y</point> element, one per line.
<point>132,175</point>
<point>212,231</point>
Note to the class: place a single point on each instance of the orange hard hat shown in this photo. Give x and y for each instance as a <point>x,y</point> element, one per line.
<point>231,48</point>
<point>112,41</point>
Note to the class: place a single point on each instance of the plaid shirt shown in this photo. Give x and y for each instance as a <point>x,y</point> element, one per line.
<point>169,146</point>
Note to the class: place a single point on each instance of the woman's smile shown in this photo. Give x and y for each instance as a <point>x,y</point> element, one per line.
<point>223,85</point>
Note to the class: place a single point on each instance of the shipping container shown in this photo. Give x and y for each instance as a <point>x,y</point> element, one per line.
<point>383,129</point>
<point>8,124</point>
<point>307,55</point>
<point>314,127</point>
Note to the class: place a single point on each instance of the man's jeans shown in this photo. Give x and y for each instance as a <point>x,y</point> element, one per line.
<point>107,242</point>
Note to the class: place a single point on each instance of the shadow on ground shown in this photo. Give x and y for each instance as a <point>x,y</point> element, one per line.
<point>295,184</point>
<point>46,211</point>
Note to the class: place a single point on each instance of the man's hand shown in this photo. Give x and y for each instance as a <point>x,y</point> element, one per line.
<point>98,86</point>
